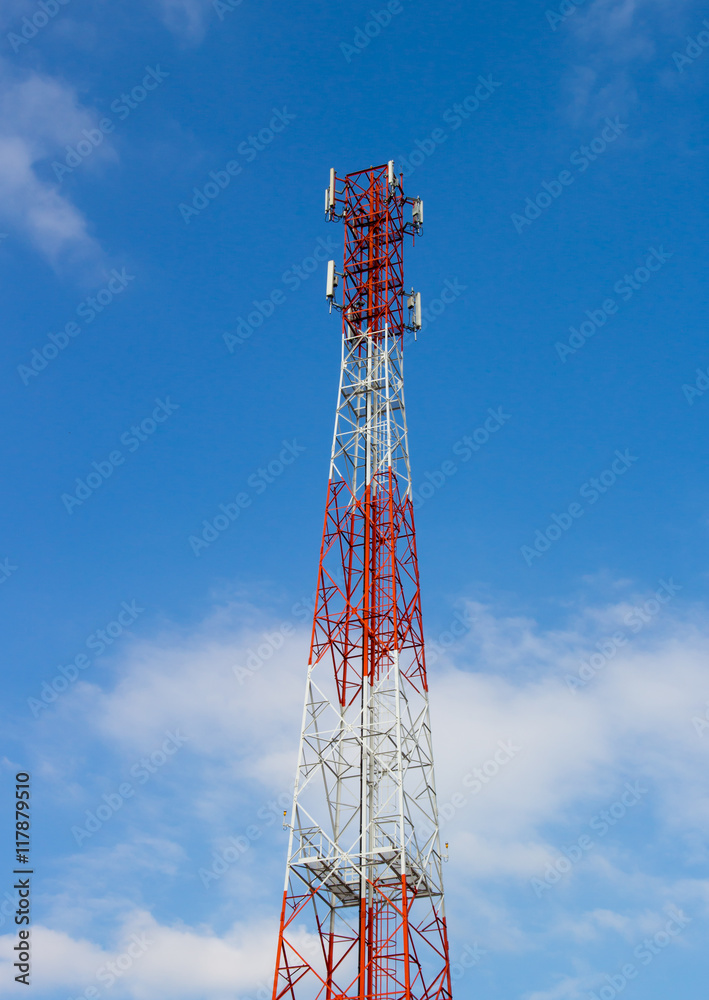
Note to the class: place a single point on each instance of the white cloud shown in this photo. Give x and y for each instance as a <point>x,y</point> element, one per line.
<point>506,682</point>
<point>39,114</point>
<point>573,750</point>
<point>190,681</point>
<point>577,748</point>
<point>149,961</point>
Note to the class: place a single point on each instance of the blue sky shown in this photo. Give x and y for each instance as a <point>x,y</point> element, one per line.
<point>569,546</point>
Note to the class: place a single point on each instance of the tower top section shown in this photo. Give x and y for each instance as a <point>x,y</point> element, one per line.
<point>374,209</point>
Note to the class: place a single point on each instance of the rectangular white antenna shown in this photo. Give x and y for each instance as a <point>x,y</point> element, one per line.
<point>418,213</point>
<point>331,190</point>
<point>414,304</point>
<point>331,280</point>
<point>391,177</point>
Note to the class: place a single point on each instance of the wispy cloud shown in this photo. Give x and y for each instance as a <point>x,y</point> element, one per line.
<point>614,41</point>
<point>38,114</point>
<point>150,961</point>
<point>505,682</point>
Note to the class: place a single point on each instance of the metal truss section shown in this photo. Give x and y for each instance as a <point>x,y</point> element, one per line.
<point>364,874</point>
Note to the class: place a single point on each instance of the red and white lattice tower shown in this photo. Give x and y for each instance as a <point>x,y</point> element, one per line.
<point>362,915</point>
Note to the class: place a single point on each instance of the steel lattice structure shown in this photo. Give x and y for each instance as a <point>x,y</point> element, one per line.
<point>362,913</point>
